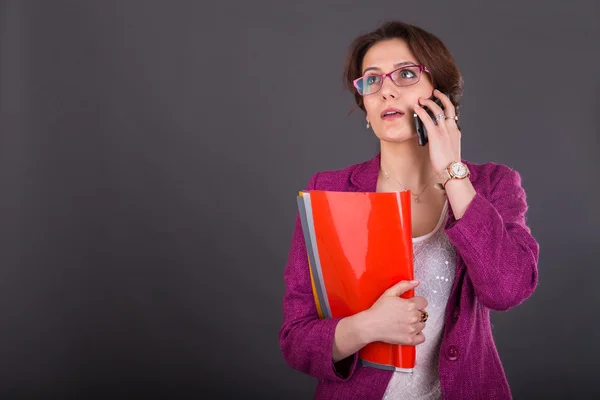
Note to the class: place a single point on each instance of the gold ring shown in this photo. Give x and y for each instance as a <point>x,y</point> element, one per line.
<point>454,118</point>
<point>424,316</point>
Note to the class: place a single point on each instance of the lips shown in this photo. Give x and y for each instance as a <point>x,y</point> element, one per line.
<point>391,113</point>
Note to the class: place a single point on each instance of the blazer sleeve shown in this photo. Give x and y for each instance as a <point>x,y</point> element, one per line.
<point>306,340</point>
<point>497,246</point>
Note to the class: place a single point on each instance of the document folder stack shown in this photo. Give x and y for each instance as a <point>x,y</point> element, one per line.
<point>359,244</point>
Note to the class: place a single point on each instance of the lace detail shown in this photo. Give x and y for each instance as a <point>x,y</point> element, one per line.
<point>434,261</point>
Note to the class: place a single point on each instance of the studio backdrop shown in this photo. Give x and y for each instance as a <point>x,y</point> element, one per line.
<point>151,153</point>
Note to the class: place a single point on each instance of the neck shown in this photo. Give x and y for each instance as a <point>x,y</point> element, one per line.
<point>408,163</point>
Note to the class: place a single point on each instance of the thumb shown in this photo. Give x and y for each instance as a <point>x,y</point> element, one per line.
<point>400,288</point>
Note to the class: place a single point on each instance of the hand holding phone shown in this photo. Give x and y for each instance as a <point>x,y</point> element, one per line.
<point>420,126</point>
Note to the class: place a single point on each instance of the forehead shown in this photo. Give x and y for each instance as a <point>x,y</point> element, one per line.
<point>385,54</point>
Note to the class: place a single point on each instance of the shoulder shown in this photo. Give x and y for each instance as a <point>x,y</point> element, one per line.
<point>346,178</point>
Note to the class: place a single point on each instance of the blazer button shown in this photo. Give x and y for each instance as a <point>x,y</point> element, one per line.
<point>452,353</point>
<point>455,314</point>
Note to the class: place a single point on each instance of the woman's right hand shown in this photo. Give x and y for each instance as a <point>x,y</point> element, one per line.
<point>396,320</point>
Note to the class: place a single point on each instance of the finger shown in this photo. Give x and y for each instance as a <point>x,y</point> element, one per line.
<point>416,327</point>
<point>418,338</point>
<point>436,110</point>
<point>450,111</point>
<point>449,108</point>
<point>418,317</point>
<point>419,327</point>
<point>419,302</point>
<point>401,287</point>
<point>410,339</point>
<point>429,123</point>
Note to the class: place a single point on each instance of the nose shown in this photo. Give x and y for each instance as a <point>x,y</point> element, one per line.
<point>388,89</point>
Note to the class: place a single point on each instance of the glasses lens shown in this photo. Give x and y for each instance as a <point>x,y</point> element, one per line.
<point>406,76</point>
<point>368,84</point>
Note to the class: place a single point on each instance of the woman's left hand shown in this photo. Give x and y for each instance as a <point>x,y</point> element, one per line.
<point>444,138</point>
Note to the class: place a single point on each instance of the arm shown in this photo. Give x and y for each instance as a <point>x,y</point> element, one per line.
<point>307,342</point>
<point>492,237</point>
<point>350,336</point>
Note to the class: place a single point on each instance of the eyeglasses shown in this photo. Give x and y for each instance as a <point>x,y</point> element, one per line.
<point>404,76</point>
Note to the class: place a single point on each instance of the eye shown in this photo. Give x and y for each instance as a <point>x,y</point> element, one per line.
<point>372,79</point>
<point>407,73</point>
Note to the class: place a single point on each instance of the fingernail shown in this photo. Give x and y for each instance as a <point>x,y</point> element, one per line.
<point>417,106</point>
<point>414,281</point>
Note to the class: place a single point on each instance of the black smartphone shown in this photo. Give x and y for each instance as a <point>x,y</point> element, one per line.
<point>420,126</point>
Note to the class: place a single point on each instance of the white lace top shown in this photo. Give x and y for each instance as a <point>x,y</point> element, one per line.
<point>434,262</point>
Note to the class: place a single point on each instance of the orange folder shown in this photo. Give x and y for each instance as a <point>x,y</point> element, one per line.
<point>359,244</point>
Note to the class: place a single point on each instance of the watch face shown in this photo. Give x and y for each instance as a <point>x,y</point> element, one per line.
<point>459,170</point>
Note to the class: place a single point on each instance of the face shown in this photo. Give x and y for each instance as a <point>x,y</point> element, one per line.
<point>384,57</point>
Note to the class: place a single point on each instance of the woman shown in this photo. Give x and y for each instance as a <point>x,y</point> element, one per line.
<point>473,250</point>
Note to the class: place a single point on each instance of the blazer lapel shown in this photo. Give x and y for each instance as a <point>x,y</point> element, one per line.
<point>364,176</point>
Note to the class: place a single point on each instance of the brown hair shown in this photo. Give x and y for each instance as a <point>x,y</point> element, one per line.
<point>427,48</point>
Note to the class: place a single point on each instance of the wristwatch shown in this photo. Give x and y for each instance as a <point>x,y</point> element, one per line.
<point>456,170</point>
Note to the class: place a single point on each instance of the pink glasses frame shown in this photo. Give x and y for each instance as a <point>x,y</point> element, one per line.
<point>389,74</point>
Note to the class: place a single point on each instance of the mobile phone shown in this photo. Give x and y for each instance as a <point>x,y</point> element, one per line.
<point>420,126</point>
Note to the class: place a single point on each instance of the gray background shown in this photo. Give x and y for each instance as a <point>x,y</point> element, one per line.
<point>150,154</point>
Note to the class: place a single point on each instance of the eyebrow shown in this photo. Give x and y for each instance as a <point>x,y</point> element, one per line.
<point>395,66</point>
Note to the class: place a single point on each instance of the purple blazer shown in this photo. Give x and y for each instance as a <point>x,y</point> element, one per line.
<point>496,269</point>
